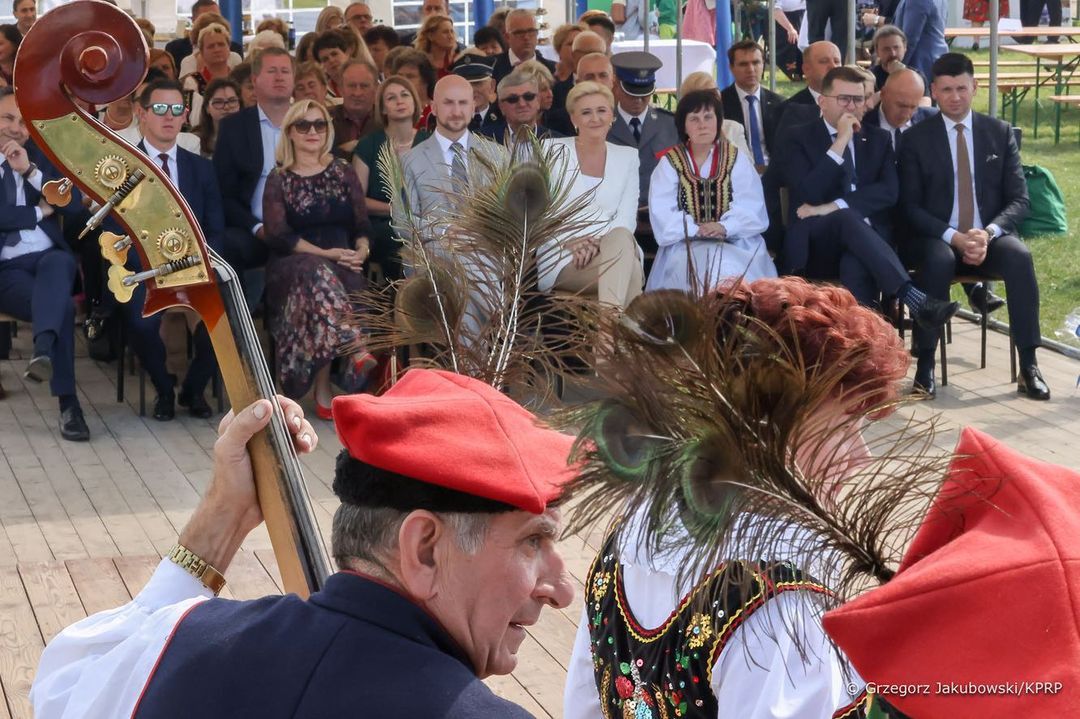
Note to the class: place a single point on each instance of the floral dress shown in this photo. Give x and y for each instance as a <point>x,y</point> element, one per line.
<point>308,298</point>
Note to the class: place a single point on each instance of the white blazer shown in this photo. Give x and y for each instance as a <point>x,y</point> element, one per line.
<point>614,201</point>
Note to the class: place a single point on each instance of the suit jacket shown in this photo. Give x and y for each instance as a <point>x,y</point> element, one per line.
<point>771,110</point>
<point>813,177</point>
<point>927,180</point>
<point>803,97</point>
<point>559,92</point>
<point>15,218</point>
<point>238,159</point>
<point>499,131</point>
<point>199,187</point>
<point>924,25</point>
<point>873,117</point>
<point>502,66</point>
<point>657,134</point>
<point>793,114</point>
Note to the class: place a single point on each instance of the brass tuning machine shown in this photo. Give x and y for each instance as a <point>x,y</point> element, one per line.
<point>57,192</point>
<point>117,197</point>
<point>114,247</point>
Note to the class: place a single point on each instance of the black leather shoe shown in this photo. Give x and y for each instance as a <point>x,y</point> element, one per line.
<point>39,369</point>
<point>983,301</point>
<point>196,405</point>
<point>924,384</point>
<point>1030,382</point>
<point>935,313</point>
<point>165,406</point>
<point>73,425</point>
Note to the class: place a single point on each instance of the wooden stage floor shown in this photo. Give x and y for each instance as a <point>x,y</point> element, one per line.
<point>83,525</point>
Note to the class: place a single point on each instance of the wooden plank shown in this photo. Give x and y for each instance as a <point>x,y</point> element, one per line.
<point>136,571</point>
<point>52,595</point>
<point>509,688</point>
<point>541,676</point>
<point>248,578</point>
<point>20,643</point>
<point>98,583</point>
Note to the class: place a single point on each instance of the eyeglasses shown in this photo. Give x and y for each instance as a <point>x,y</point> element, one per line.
<point>525,33</point>
<point>224,103</point>
<point>515,99</point>
<point>367,18</point>
<point>306,126</point>
<point>849,100</point>
<point>160,108</point>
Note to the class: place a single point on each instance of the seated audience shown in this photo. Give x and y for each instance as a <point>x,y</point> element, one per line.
<point>311,84</point>
<point>277,25</point>
<point>414,66</point>
<point>437,39</point>
<point>241,75</point>
<point>305,46</point>
<point>397,108</point>
<point>563,42</point>
<point>354,117</point>
<point>706,205</point>
<point>732,131</point>
<point>802,107</point>
<point>181,47</point>
<point>25,12</point>
<point>963,194</point>
<point>163,61</point>
<point>332,51</point>
<point>147,28</point>
<point>900,108</point>
<point>842,187</point>
<point>380,40</point>
<point>428,8</point>
<point>160,123</point>
<point>521,36</point>
<point>264,39</point>
<point>194,63</point>
<point>222,99</point>
<point>132,134</point>
<point>489,41</point>
<point>213,46</point>
<point>922,23</point>
<point>755,107</point>
<point>519,104</point>
<point>890,46</point>
<point>605,259</point>
<point>358,15</point>
<point>317,229</point>
<point>485,109</point>
<point>593,67</point>
<point>37,269</point>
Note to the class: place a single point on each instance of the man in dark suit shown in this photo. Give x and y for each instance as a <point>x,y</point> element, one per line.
<point>519,104</point>
<point>195,178</point>
<point>478,72</point>
<point>521,36</point>
<point>802,107</point>
<point>244,157</point>
<point>37,269</point>
<point>842,184</point>
<point>745,101</point>
<point>964,196</point>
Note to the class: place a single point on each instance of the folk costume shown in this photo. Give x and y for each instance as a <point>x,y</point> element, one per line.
<point>358,647</point>
<point>682,196</point>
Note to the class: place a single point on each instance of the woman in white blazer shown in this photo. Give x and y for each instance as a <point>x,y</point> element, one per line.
<point>605,257</point>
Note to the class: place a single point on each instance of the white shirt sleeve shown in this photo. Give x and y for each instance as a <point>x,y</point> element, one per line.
<point>99,666</point>
<point>670,225</point>
<point>747,216</point>
<point>581,699</point>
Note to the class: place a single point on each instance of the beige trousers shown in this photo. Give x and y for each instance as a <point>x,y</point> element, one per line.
<point>614,275</point>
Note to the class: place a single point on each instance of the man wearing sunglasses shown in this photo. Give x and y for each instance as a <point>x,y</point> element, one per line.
<point>521,37</point>
<point>161,113</point>
<point>519,102</point>
<point>842,187</point>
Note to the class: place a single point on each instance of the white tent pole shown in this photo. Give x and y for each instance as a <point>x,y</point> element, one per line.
<point>853,20</point>
<point>678,47</point>
<point>994,40</point>
<point>772,46</point>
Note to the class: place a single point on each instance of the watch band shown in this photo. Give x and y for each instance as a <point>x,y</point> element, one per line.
<point>197,567</point>
<point>30,171</point>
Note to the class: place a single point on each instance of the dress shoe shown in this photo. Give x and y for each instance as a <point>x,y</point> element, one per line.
<point>196,405</point>
<point>1030,382</point>
<point>983,301</point>
<point>39,369</point>
<point>321,412</point>
<point>165,406</point>
<point>924,384</point>
<point>935,313</point>
<point>73,425</point>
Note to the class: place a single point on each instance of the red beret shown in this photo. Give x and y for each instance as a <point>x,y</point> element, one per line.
<point>459,433</point>
<point>987,605</point>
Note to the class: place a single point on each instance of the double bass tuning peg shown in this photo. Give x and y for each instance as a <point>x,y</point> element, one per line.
<point>114,247</point>
<point>57,192</point>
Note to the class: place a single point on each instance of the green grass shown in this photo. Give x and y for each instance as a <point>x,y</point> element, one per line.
<point>1057,257</point>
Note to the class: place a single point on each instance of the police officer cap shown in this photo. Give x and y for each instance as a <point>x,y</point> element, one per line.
<point>473,69</point>
<point>636,72</point>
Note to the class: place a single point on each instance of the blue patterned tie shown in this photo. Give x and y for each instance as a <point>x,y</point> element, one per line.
<point>755,133</point>
<point>10,239</point>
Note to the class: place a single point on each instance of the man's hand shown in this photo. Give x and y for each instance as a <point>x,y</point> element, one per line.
<point>893,65</point>
<point>16,156</point>
<point>846,127</point>
<point>971,245</point>
<point>229,508</point>
<point>712,230</point>
<point>869,19</point>
<point>806,210</point>
<point>584,249</point>
<point>46,208</point>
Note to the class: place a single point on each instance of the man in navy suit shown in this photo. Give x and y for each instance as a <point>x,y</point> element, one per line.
<point>161,114</point>
<point>842,186</point>
<point>745,101</point>
<point>521,36</point>
<point>37,269</point>
<point>244,157</point>
<point>964,195</point>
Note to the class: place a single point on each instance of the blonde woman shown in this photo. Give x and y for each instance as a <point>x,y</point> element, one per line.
<point>732,131</point>
<point>317,229</point>
<point>330,18</point>
<point>213,47</point>
<point>437,39</point>
<point>604,259</point>
<point>193,62</point>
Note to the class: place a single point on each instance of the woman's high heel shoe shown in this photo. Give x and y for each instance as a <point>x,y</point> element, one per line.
<point>323,412</point>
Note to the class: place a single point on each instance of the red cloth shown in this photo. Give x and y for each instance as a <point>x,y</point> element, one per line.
<point>459,433</point>
<point>988,594</point>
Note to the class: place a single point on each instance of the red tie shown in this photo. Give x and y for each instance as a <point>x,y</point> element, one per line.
<point>165,164</point>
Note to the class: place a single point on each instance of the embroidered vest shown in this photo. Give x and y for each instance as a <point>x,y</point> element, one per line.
<point>666,672</point>
<point>705,199</point>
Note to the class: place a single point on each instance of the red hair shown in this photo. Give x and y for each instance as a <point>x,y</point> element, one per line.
<point>826,326</point>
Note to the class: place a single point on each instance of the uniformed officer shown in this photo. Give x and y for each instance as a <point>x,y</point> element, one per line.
<point>478,73</point>
<point>637,123</point>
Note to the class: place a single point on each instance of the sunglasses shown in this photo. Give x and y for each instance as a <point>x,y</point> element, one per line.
<point>160,108</point>
<point>306,126</point>
<point>222,103</point>
<point>515,99</point>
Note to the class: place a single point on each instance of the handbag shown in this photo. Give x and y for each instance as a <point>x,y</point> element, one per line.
<point>1047,215</point>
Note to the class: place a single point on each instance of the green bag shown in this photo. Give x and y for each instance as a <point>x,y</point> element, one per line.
<point>1047,213</point>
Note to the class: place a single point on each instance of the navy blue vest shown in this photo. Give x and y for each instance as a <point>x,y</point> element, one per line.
<point>356,649</point>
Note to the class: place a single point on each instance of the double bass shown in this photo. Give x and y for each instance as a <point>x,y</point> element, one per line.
<point>94,52</point>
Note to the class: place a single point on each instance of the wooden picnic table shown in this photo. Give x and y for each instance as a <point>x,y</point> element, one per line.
<point>977,32</point>
<point>1062,60</point>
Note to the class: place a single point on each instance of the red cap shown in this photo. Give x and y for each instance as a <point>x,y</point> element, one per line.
<point>987,600</point>
<point>459,433</point>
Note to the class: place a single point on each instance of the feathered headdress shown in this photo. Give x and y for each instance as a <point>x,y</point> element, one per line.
<point>472,300</point>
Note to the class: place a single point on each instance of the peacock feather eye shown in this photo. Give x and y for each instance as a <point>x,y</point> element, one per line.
<point>527,195</point>
<point>708,470</point>
<point>664,318</point>
<point>422,300</point>
<point>623,444</point>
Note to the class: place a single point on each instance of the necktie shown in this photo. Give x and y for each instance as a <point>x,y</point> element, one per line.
<point>895,139</point>
<point>458,173</point>
<point>10,238</point>
<point>635,127</point>
<point>849,167</point>
<point>965,217</point>
<point>755,132</point>
<point>165,164</point>
<point>477,120</point>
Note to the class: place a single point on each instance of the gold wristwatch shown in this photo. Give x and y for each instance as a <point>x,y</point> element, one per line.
<point>197,567</point>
